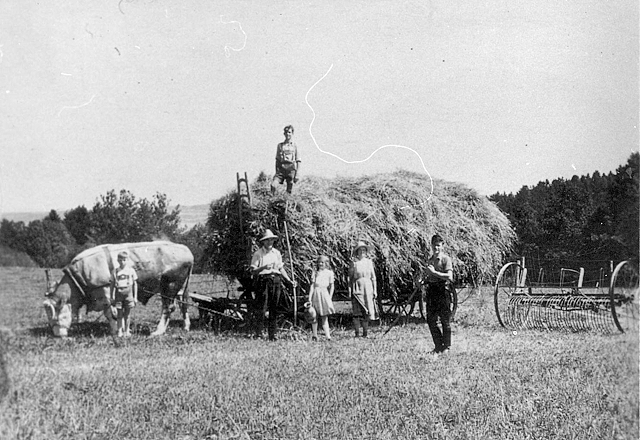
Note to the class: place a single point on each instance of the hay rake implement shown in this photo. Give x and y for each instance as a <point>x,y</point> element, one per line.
<point>568,305</point>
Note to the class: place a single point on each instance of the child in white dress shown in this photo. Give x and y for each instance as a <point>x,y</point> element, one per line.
<point>321,296</point>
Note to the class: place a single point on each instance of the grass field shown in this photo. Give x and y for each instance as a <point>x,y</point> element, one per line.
<point>493,385</point>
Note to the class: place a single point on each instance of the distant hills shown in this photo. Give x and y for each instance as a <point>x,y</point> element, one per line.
<point>189,215</point>
<point>194,214</point>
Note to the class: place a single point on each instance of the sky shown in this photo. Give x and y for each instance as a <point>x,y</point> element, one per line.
<point>176,97</point>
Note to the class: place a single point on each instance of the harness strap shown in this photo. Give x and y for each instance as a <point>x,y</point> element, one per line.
<point>109,259</point>
<point>70,275</point>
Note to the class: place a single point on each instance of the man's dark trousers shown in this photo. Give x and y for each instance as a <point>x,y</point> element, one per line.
<point>267,299</point>
<point>439,306</point>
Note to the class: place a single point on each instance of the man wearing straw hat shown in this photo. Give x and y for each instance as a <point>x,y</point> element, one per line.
<point>267,269</point>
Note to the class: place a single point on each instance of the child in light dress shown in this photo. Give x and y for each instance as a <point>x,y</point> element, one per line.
<point>321,296</point>
<point>363,289</point>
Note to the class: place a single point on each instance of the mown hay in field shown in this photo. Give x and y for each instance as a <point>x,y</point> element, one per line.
<point>395,213</point>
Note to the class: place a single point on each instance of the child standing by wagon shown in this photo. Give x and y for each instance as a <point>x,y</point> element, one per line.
<point>363,289</point>
<point>439,274</point>
<point>321,296</point>
<point>124,292</point>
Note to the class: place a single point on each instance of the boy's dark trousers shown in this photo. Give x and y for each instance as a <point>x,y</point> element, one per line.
<point>439,306</point>
<point>267,297</point>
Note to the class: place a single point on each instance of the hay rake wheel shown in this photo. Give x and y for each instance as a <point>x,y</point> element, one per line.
<point>510,281</point>
<point>623,294</point>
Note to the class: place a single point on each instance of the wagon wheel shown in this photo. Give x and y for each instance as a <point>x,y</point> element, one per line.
<point>623,294</point>
<point>405,306</point>
<point>396,305</point>
<point>388,305</point>
<point>507,284</point>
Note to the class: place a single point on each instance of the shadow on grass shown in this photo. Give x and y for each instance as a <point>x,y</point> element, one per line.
<point>40,332</point>
<point>393,319</point>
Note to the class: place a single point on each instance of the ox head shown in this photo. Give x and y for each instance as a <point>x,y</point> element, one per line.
<point>64,298</point>
<point>57,305</point>
<point>59,297</point>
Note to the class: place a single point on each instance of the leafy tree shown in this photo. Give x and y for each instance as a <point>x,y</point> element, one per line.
<point>591,219</point>
<point>78,223</point>
<point>13,234</point>
<point>226,247</point>
<point>195,239</point>
<point>119,218</point>
<point>49,243</point>
<point>625,205</point>
<point>53,216</point>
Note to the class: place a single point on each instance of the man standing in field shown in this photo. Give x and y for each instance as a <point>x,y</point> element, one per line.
<point>439,275</point>
<point>287,162</point>
<point>268,269</point>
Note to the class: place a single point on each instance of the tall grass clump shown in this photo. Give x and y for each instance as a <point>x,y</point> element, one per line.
<point>395,212</point>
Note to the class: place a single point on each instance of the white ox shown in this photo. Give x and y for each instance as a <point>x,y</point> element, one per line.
<point>162,267</point>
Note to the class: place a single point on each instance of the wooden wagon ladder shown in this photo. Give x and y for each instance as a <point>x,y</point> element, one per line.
<point>244,195</point>
<point>244,200</point>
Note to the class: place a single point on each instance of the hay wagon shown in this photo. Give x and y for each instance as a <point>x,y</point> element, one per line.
<point>396,213</point>
<point>569,305</point>
<point>224,305</point>
<point>218,301</point>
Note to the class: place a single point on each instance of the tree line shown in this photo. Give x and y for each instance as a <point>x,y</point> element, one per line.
<point>115,218</point>
<point>586,220</point>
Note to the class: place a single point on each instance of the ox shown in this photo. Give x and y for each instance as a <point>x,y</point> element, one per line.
<point>163,267</point>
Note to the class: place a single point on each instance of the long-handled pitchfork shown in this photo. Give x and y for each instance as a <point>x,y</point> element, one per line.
<point>293,275</point>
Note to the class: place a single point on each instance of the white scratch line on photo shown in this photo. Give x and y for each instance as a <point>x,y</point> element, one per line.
<point>86,28</point>
<point>372,154</point>
<point>76,106</point>
<point>226,48</point>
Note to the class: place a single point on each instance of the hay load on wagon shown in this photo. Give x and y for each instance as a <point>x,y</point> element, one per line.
<point>394,212</point>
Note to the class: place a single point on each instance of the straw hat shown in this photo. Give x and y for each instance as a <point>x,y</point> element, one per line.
<point>268,234</point>
<point>361,244</point>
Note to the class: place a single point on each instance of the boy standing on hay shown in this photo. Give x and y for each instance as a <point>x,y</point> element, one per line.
<point>287,162</point>
<point>267,269</point>
<point>439,274</point>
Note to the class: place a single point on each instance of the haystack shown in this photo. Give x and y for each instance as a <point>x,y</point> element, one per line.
<point>393,212</point>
